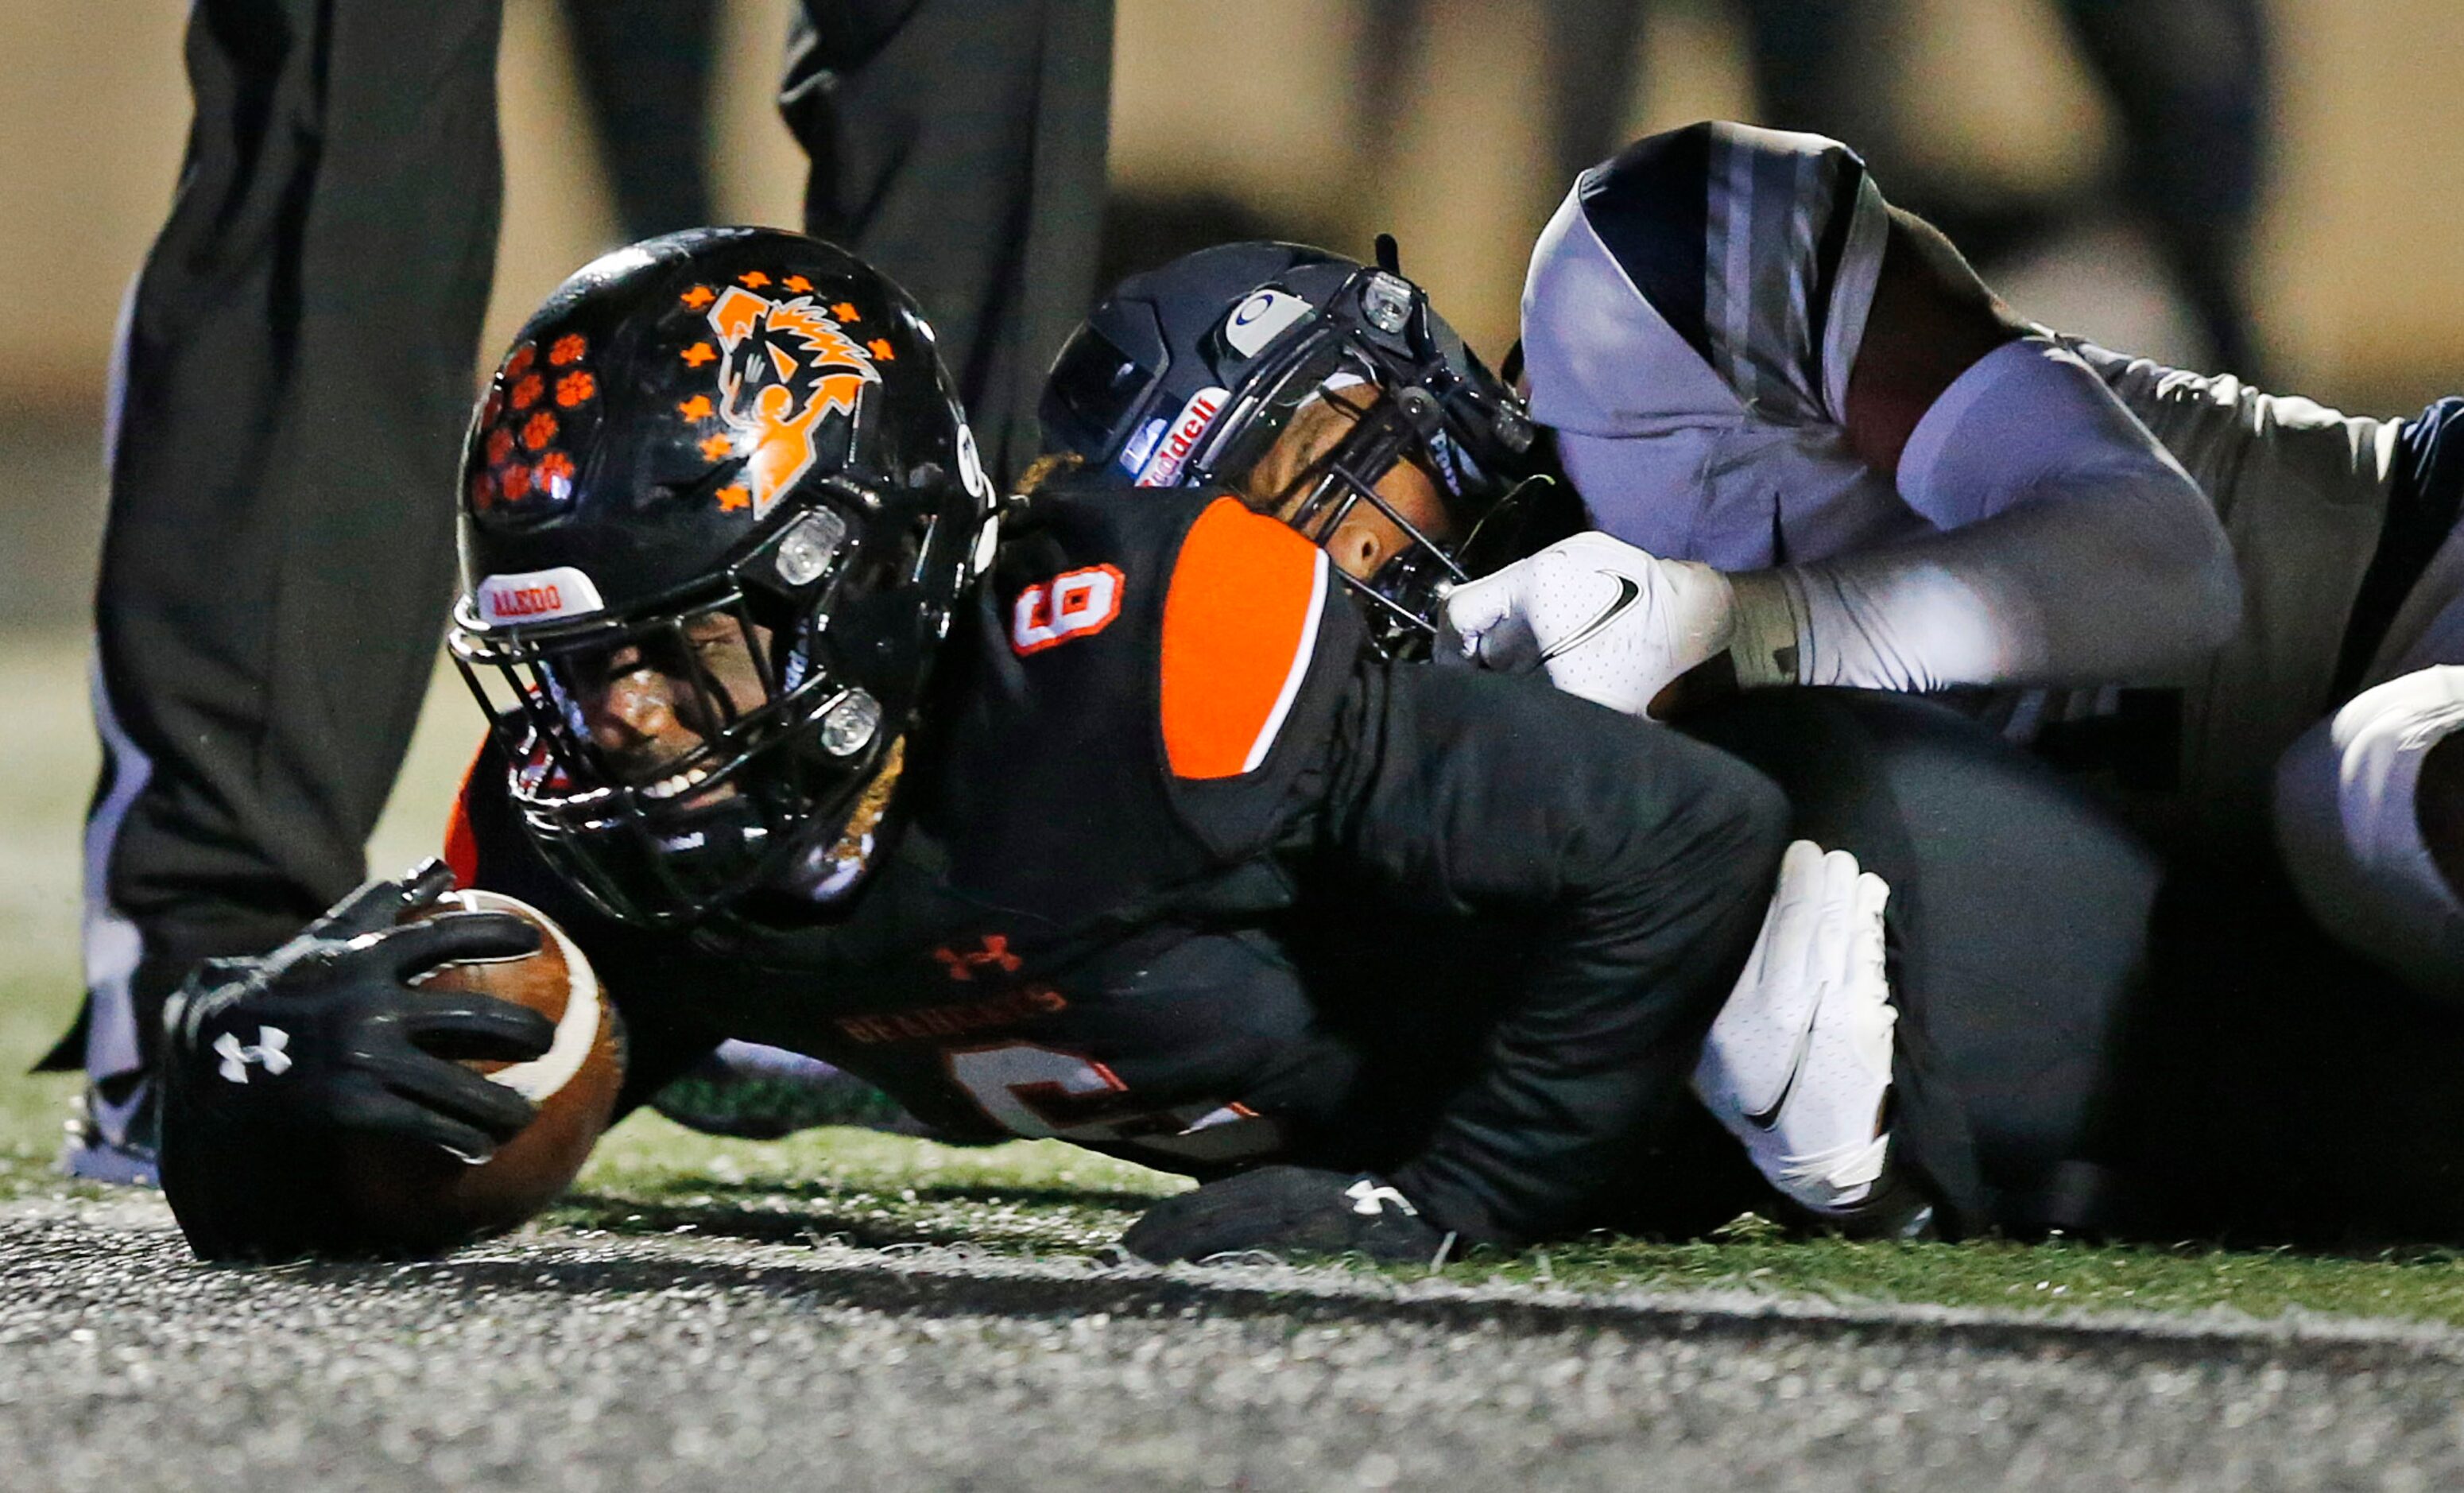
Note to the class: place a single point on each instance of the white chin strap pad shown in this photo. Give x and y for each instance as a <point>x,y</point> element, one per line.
<point>2350,834</point>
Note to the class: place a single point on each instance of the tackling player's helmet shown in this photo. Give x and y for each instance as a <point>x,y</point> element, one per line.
<point>730,459</point>
<point>1193,372</point>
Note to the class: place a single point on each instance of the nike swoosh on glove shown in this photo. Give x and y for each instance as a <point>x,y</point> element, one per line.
<point>328,1032</point>
<point>1798,1060</point>
<point>1287,1210</point>
<point>1610,623</point>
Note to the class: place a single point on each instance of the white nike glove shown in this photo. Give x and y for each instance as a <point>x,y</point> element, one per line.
<point>1610,623</point>
<point>1798,1060</point>
<point>2348,824</point>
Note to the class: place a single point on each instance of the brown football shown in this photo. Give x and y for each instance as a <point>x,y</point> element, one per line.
<point>410,1196</point>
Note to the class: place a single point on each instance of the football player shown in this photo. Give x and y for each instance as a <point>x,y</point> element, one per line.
<point>1329,394</point>
<point>1820,451</point>
<point>1157,852</point>
<point>2103,1062</point>
<point>1106,824</point>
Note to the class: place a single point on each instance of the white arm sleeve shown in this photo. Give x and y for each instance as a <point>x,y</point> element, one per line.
<point>2075,551</point>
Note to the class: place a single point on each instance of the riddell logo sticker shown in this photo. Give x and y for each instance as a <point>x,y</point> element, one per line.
<point>1075,603</point>
<point>537,596</point>
<point>1173,452</point>
<point>783,365</point>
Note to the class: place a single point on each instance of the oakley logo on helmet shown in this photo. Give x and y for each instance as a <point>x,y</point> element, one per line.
<point>786,364</point>
<point>1188,429</point>
<point>1261,319</point>
<point>1075,603</point>
<point>537,596</point>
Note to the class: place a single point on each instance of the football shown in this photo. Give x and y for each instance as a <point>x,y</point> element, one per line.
<point>414,1196</point>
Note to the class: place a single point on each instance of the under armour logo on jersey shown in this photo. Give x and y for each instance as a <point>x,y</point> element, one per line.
<point>268,1052</point>
<point>1369,1198</point>
<point>995,954</point>
<point>1075,603</point>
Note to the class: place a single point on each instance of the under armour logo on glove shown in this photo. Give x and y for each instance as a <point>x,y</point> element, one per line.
<point>269,1052</point>
<point>1369,1198</point>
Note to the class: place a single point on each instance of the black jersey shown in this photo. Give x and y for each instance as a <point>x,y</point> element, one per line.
<point>1189,874</point>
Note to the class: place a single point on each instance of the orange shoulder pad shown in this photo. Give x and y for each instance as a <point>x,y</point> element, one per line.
<point>1239,627</point>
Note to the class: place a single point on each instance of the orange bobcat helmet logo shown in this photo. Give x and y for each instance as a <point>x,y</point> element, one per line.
<point>785,365</point>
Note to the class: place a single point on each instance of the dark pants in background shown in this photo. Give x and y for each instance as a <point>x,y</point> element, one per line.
<point>292,385</point>
<point>2190,82</point>
<point>646,69</point>
<point>960,149</point>
<point>297,369</point>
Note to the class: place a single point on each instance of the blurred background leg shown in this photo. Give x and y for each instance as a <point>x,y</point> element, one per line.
<point>2192,84</point>
<point>1389,44</point>
<point>1818,65</point>
<point>960,147</point>
<point>293,373</point>
<point>1592,47</point>
<point>646,79</point>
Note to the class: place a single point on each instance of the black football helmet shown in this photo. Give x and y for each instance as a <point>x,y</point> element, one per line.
<point>728,461</point>
<point>1190,373</point>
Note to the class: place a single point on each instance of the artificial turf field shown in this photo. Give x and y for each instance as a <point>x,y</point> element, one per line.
<point>914,1315</point>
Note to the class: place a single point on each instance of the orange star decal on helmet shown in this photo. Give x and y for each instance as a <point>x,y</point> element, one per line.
<point>698,354</point>
<point>540,430</point>
<point>575,387</point>
<point>527,392</point>
<point>732,497</point>
<point>879,347</point>
<point>753,280</point>
<point>568,349</point>
<point>699,297</point>
<point>846,313</point>
<point>799,284</point>
<point>697,407</point>
<point>718,448</point>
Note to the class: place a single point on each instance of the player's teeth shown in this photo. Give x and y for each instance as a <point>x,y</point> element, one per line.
<point>670,787</point>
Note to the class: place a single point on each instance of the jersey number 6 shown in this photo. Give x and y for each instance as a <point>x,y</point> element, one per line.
<point>1043,1091</point>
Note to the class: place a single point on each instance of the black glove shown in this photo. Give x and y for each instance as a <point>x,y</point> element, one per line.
<point>1289,1210</point>
<point>326,1033</point>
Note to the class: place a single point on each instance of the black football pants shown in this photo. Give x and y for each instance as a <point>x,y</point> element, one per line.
<point>292,380</point>
<point>2020,917</point>
<point>298,367</point>
<point>2163,1051</point>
